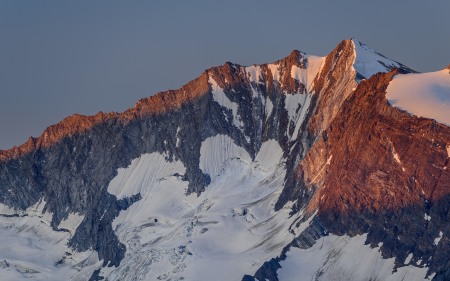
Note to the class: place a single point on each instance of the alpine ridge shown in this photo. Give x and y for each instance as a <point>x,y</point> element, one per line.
<point>307,168</point>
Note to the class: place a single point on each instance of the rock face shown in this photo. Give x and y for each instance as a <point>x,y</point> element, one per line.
<point>353,163</point>
<point>367,175</point>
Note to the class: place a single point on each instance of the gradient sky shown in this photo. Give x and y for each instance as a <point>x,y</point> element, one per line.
<point>63,57</point>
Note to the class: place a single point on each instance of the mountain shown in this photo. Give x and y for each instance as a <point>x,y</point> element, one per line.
<point>308,168</point>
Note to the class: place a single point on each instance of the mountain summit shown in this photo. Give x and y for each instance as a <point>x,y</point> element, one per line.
<point>307,168</point>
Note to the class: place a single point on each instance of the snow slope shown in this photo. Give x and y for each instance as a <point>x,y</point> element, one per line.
<point>30,249</point>
<point>306,75</point>
<point>226,232</point>
<point>368,62</point>
<point>344,258</point>
<point>424,95</point>
<point>220,97</point>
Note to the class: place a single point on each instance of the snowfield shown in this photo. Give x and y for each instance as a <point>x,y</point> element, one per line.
<point>31,250</point>
<point>424,95</point>
<point>229,230</point>
<point>344,258</point>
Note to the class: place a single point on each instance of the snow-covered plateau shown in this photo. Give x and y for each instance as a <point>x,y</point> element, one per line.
<point>422,94</point>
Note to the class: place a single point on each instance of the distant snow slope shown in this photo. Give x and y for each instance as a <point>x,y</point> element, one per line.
<point>31,250</point>
<point>424,95</point>
<point>344,258</point>
<point>368,62</point>
<point>226,232</point>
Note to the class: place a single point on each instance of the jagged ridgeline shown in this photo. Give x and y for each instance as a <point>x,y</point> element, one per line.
<point>308,168</point>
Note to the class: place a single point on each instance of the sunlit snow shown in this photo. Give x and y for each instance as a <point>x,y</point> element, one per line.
<point>424,95</point>
<point>275,70</point>
<point>306,75</point>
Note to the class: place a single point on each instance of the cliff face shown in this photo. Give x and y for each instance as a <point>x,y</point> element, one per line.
<point>353,163</point>
<point>379,170</point>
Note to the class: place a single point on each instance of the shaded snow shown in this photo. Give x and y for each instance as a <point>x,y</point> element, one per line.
<point>31,250</point>
<point>408,258</point>
<point>297,106</point>
<point>254,74</point>
<point>229,230</point>
<point>178,138</point>
<point>424,95</point>
<point>71,223</point>
<point>141,174</point>
<point>300,115</point>
<point>270,155</point>
<point>438,239</point>
<point>368,62</point>
<point>215,151</point>
<point>343,258</point>
<point>220,97</point>
<point>269,107</point>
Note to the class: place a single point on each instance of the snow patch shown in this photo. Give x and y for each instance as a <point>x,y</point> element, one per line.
<point>297,106</point>
<point>178,138</point>
<point>395,155</point>
<point>343,258</point>
<point>269,106</point>
<point>426,216</point>
<point>294,108</point>
<point>306,76</point>
<point>424,95</point>
<point>275,70</point>
<point>448,151</point>
<point>220,97</point>
<point>269,155</point>
<point>254,73</point>
<point>438,239</point>
<point>8,211</point>
<point>142,174</point>
<point>216,151</point>
<point>408,258</point>
<point>71,223</point>
<point>319,173</point>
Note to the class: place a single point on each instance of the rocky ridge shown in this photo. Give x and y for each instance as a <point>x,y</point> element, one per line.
<point>359,164</point>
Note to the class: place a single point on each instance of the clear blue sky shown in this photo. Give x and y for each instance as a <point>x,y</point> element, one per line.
<point>63,57</point>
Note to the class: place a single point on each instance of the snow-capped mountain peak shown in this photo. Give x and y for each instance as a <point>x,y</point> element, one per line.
<point>245,173</point>
<point>369,62</point>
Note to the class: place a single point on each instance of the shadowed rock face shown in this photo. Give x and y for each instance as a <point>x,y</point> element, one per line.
<point>362,165</point>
